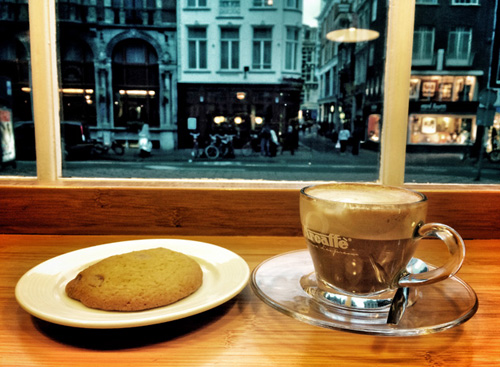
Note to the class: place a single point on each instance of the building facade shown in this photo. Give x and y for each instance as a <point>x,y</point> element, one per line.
<point>118,65</point>
<point>310,90</point>
<point>239,66</point>
<point>174,65</point>
<point>450,67</point>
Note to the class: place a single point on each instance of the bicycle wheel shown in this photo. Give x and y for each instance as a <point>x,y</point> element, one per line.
<point>247,149</point>
<point>494,156</point>
<point>99,148</point>
<point>119,149</point>
<point>212,152</point>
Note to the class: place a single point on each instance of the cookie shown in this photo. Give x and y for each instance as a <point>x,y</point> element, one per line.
<point>136,281</point>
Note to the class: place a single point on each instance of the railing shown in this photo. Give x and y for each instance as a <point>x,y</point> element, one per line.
<point>154,15</point>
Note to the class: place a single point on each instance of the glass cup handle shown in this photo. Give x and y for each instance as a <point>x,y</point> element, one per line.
<point>456,247</point>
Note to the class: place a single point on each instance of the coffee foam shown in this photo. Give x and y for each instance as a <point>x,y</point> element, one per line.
<point>367,194</point>
<point>340,210</point>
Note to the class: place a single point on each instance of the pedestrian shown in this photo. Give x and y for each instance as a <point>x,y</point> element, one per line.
<point>273,143</point>
<point>291,140</point>
<point>356,136</point>
<point>344,135</point>
<point>265,137</point>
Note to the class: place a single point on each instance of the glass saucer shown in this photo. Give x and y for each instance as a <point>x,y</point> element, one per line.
<point>286,283</point>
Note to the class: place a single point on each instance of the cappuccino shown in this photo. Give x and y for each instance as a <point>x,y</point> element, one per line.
<point>360,237</point>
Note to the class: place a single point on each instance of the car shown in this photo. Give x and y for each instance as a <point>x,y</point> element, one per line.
<point>74,138</point>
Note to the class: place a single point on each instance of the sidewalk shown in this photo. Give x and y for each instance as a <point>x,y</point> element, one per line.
<point>313,149</point>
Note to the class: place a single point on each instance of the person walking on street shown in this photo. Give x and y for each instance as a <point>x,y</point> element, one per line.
<point>291,140</point>
<point>265,137</point>
<point>344,136</point>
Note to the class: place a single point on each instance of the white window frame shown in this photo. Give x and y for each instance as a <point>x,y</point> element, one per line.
<point>196,3</point>
<point>45,94</point>
<point>262,3</point>
<point>465,2</point>
<point>463,37</point>
<point>291,48</point>
<point>265,46</point>
<point>427,2</point>
<point>423,52</point>
<point>231,44</point>
<point>292,4</point>
<point>200,49</point>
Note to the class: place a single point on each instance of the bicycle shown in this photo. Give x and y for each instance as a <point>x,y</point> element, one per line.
<point>220,146</point>
<point>251,146</point>
<point>101,148</point>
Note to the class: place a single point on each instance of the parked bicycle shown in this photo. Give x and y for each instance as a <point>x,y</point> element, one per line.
<point>251,146</point>
<point>100,148</point>
<point>220,146</point>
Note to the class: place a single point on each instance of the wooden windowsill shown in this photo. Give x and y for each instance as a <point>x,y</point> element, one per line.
<point>206,207</point>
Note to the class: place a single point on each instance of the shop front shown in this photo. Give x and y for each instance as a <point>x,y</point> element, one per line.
<point>442,124</point>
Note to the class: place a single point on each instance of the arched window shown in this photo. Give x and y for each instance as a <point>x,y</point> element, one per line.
<point>135,84</point>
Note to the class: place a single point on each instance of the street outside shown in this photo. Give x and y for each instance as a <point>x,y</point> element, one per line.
<point>316,159</point>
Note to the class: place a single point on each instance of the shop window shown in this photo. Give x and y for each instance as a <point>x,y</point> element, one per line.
<point>374,128</point>
<point>441,129</point>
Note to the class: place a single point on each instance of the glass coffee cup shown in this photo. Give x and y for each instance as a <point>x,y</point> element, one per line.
<point>362,238</point>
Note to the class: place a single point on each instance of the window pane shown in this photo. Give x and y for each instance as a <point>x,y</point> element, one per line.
<point>136,77</point>
<point>235,52</point>
<point>17,139</point>
<point>447,131</point>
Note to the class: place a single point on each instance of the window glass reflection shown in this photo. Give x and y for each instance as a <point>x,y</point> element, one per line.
<point>15,92</point>
<point>143,84</point>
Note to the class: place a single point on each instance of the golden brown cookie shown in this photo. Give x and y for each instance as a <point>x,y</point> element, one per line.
<point>137,280</point>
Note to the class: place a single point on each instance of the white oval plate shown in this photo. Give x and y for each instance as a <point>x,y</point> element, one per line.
<point>41,291</point>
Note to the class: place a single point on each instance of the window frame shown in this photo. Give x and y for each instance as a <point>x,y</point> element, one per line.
<point>233,49</point>
<point>46,111</point>
<point>196,3</point>
<point>465,2</point>
<point>200,49</point>
<point>425,50</point>
<point>262,4</point>
<point>291,46</point>
<point>463,36</point>
<point>265,47</point>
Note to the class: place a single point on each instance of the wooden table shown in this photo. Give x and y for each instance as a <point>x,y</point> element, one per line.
<point>243,331</point>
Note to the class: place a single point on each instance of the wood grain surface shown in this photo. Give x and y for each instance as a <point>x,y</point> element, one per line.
<point>244,331</point>
<point>232,211</point>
